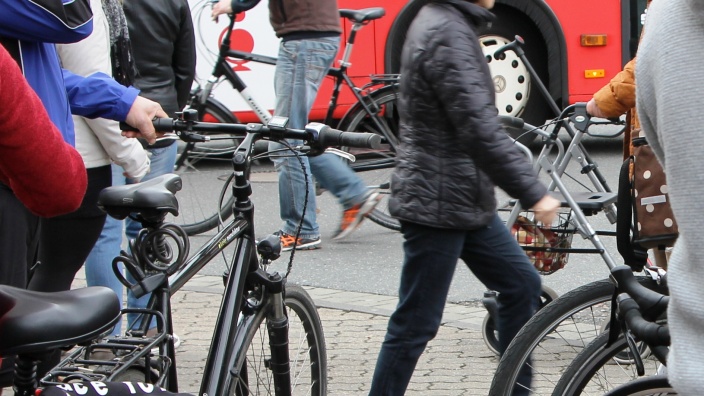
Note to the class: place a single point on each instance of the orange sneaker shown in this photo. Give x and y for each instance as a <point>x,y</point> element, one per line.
<point>352,217</point>
<point>287,242</point>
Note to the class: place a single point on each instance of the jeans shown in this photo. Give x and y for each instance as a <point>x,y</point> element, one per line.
<point>431,255</point>
<point>98,266</point>
<point>300,69</point>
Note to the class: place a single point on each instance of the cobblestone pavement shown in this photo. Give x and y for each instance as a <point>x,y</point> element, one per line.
<point>456,362</point>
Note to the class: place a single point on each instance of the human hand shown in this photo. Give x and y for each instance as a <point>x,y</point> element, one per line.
<point>546,209</point>
<point>594,110</point>
<point>140,116</point>
<point>136,175</point>
<point>221,7</point>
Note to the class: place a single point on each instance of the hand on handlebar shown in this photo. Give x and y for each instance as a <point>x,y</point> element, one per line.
<point>594,110</point>
<point>140,116</point>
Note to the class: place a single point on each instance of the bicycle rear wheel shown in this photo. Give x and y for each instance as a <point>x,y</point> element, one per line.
<point>375,165</point>
<point>554,336</point>
<point>206,200</point>
<point>307,354</point>
<point>599,368</point>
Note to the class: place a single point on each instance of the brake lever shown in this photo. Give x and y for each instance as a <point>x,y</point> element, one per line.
<point>344,154</point>
<point>168,136</point>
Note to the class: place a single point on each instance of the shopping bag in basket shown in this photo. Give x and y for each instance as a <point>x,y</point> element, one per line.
<point>536,239</point>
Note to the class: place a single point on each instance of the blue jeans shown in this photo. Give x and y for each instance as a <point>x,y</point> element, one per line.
<point>98,266</point>
<point>431,255</point>
<point>300,69</point>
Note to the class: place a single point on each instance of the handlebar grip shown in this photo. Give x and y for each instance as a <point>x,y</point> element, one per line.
<point>160,125</point>
<point>332,137</point>
<point>652,304</point>
<point>648,332</point>
<point>511,122</point>
<point>164,124</point>
<point>127,127</point>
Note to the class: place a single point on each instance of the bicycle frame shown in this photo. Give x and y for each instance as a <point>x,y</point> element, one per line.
<point>232,322</point>
<point>556,168</point>
<point>361,94</point>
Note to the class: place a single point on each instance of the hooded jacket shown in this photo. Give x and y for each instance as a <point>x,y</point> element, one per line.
<point>453,151</point>
<point>28,31</point>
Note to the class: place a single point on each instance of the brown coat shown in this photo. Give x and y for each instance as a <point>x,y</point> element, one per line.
<point>618,97</point>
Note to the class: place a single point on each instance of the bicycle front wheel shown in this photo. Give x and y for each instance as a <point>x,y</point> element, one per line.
<point>600,368</point>
<point>375,165</point>
<point>307,354</point>
<point>206,198</point>
<point>554,336</point>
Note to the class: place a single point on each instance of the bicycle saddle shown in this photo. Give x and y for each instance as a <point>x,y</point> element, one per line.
<point>155,196</point>
<point>363,15</point>
<point>32,321</point>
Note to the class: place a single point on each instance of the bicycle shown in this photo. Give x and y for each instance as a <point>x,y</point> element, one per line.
<point>549,246</point>
<point>374,111</point>
<point>614,361</point>
<point>258,307</point>
<point>559,330</point>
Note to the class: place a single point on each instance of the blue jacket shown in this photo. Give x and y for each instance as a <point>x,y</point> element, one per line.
<point>29,30</point>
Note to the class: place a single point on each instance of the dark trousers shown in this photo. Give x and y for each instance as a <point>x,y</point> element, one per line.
<point>431,255</point>
<point>64,244</point>
<point>66,241</point>
<point>19,236</point>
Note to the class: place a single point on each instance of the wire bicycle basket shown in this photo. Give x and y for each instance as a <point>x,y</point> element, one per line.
<point>547,246</point>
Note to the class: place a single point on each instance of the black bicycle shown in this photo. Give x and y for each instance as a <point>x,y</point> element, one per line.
<point>631,357</point>
<point>374,111</point>
<point>254,349</point>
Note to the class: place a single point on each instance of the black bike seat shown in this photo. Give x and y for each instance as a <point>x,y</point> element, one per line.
<point>155,195</point>
<point>363,15</point>
<point>32,321</point>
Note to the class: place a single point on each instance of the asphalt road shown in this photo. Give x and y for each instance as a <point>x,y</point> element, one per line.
<point>369,260</point>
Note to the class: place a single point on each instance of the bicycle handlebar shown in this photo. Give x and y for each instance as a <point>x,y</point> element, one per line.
<point>639,307</point>
<point>314,133</point>
<point>651,333</point>
<point>652,304</point>
<point>511,122</point>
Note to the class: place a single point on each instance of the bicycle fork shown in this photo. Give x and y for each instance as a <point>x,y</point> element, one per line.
<point>277,326</point>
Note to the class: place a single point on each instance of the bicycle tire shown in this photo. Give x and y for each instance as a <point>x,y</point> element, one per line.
<point>554,336</point>
<point>308,365</point>
<point>210,206</point>
<point>648,386</point>
<point>599,368</point>
<point>375,166</point>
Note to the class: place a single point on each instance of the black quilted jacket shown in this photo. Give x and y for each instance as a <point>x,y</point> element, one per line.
<point>453,151</point>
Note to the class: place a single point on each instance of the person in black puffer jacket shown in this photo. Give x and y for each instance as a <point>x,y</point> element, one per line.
<point>453,152</point>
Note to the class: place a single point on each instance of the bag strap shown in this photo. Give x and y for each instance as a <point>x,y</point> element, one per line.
<point>633,254</point>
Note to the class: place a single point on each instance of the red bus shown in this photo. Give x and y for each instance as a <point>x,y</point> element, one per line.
<point>575,47</point>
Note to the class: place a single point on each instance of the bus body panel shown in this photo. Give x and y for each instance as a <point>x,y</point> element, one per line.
<point>562,23</point>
